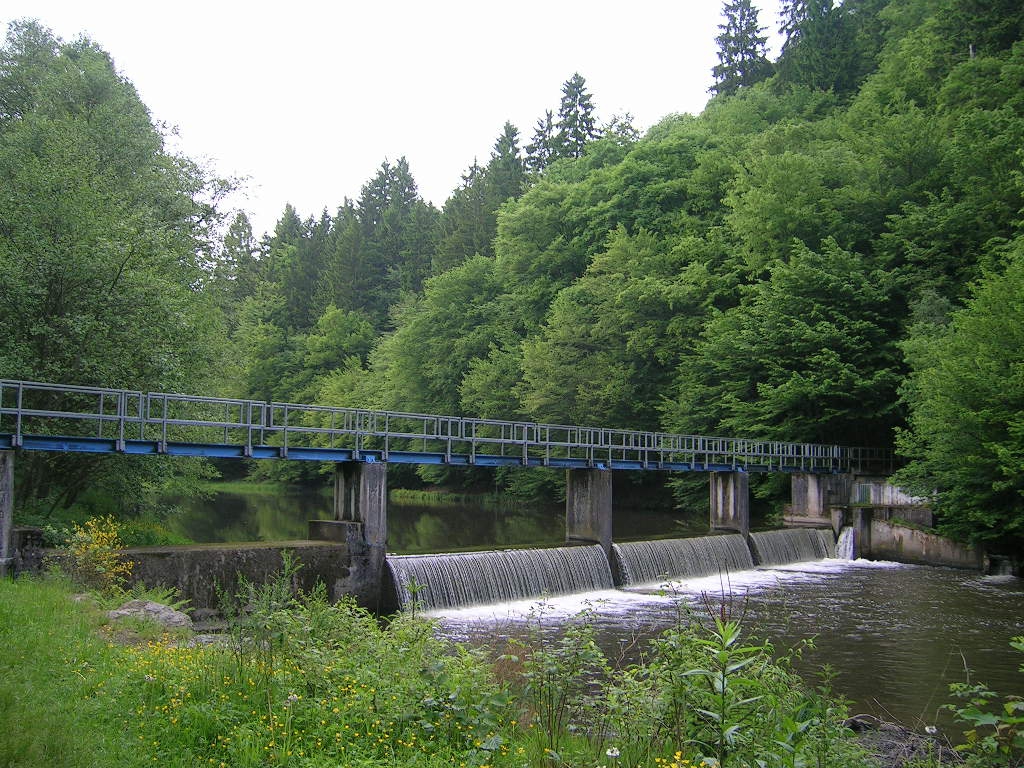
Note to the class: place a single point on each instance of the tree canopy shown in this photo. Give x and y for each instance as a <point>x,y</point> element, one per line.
<point>829,251</point>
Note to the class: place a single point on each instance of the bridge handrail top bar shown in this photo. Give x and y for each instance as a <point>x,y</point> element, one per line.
<point>77,415</point>
<point>47,386</point>
<point>566,435</point>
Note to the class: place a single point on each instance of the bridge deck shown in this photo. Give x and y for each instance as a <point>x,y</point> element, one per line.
<point>55,417</point>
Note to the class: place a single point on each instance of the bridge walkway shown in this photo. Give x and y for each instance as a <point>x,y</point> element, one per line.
<point>39,416</point>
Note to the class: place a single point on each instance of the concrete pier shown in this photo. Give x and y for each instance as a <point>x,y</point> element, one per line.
<point>361,496</point>
<point>6,511</point>
<point>730,502</point>
<point>813,498</point>
<point>360,524</point>
<point>862,528</point>
<point>588,507</point>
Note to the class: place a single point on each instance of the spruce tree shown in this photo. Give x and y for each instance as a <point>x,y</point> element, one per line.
<point>742,55</point>
<point>576,124</point>
<point>541,149</point>
<point>506,171</point>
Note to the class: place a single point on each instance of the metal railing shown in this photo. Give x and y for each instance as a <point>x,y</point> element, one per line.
<point>125,418</point>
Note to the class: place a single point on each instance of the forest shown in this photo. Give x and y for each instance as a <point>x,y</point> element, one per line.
<point>831,252</point>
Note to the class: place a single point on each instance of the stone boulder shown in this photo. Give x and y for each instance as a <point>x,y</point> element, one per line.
<point>147,609</point>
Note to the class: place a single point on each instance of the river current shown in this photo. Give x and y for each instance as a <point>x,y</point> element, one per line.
<point>896,635</point>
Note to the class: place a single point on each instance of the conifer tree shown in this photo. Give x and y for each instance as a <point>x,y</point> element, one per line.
<point>742,55</point>
<point>576,124</point>
<point>506,171</point>
<point>238,269</point>
<point>541,149</point>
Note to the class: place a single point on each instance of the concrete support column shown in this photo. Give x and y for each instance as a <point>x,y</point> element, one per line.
<point>813,496</point>
<point>588,507</point>
<point>730,501</point>
<point>361,496</point>
<point>360,523</point>
<point>6,511</point>
<point>861,523</point>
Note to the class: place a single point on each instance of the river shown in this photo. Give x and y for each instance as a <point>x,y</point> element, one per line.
<point>896,635</point>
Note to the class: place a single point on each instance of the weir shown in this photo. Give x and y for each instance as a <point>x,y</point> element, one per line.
<point>792,545</point>
<point>650,562</point>
<point>472,578</point>
<point>480,578</point>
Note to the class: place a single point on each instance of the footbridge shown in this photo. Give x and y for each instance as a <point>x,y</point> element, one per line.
<point>36,416</point>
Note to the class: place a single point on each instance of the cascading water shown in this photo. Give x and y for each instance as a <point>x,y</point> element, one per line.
<point>846,546</point>
<point>475,578</point>
<point>792,545</point>
<point>647,562</point>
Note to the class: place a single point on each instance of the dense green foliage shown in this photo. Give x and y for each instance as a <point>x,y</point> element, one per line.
<point>104,242</point>
<point>967,427</point>
<point>301,682</point>
<point>775,267</point>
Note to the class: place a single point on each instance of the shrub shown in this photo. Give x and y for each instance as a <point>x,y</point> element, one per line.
<point>93,555</point>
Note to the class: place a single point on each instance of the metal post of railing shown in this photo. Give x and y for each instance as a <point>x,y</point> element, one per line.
<point>284,446</point>
<point>122,412</point>
<point>163,428</point>
<point>17,419</point>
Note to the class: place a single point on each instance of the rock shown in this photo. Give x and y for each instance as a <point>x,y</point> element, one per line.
<point>894,746</point>
<point>147,609</point>
<point>859,723</point>
<point>208,638</point>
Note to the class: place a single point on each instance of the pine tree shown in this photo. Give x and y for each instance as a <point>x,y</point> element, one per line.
<point>576,124</point>
<point>830,45</point>
<point>467,223</point>
<point>742,55</point>
<point>238,270</point>
<point>506,171</point>
<point>541,150</point>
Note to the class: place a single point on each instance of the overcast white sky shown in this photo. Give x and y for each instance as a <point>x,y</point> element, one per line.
<point>306,99</point>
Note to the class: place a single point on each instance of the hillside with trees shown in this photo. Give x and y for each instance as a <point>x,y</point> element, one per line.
<point>830,252</point>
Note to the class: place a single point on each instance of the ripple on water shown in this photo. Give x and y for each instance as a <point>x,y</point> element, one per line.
<point>896,634</point>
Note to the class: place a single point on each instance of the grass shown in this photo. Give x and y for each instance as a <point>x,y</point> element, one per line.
<point>56,690</point>
<point>305,683</point>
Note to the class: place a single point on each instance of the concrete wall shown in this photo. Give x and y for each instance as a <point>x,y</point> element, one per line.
<point>909,545</point>
<point>879,492</point>
<point>730,501</point>
<point>6,511</point>
<point>588,507</point>
<point>813,497</point>
<point>198,570</point>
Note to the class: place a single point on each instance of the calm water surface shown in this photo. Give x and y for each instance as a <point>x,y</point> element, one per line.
<point>895,634</point>
<point>412,529</point>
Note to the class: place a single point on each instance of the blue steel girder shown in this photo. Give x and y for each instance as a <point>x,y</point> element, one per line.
<point>55,417</point>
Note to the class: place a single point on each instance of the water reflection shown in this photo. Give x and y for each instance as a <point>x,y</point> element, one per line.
<point>230,517</point>
<point>412,529</point>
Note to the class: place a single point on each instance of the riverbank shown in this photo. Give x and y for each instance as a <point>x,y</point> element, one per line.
<point>311,684</point>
